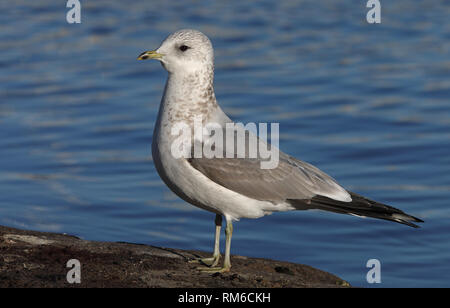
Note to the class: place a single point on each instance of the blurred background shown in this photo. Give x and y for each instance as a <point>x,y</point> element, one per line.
<point>367,103</point>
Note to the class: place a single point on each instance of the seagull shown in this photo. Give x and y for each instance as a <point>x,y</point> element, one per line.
<point>234,187</point>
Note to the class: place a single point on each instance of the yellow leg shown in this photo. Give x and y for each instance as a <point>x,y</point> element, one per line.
<point>214,260</point>
<point>227,262</point>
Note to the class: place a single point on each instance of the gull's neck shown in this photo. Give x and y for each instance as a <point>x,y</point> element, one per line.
<point>188,94</point>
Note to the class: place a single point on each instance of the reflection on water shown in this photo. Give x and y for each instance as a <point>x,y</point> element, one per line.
<point>368,104</point>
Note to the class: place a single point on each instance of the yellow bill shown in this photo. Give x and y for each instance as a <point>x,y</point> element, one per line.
<point>152,54</point>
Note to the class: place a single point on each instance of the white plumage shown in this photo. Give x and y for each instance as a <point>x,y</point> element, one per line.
<point>234,187</point>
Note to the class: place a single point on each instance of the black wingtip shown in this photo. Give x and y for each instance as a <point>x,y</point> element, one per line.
<point>418,220</point>
<point>407,220</point>
<point>408,223</point>
<point>359,206</point>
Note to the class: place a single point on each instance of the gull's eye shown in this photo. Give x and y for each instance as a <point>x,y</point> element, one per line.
<point>184,48</point>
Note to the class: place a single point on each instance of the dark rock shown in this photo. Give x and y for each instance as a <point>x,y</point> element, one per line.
<point>39,259</point>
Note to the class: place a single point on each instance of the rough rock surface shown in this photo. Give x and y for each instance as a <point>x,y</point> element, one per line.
<point>39,259</point>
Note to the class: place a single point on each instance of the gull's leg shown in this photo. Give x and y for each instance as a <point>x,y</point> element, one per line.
<point>228,233</point>
<point>214,260</point>
<point>227,262</point>
<point>216,254</point>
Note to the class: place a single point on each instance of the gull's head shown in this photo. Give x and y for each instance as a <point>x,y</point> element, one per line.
<point>185,51</point>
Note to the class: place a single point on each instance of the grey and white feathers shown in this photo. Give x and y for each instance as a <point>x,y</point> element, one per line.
<point>236,187</point>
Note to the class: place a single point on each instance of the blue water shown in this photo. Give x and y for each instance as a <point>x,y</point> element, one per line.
<point>368,104</point>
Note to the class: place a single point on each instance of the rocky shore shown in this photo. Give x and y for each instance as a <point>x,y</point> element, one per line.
<point>39,259</point>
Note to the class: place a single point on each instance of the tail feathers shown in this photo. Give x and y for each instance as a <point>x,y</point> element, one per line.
<point>359,206</point>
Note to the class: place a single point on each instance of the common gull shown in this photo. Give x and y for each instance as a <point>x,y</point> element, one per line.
<point>234,187</point>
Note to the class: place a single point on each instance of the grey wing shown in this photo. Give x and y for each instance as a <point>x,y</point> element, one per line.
<point>290,179</point>
<point>293,181</point>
